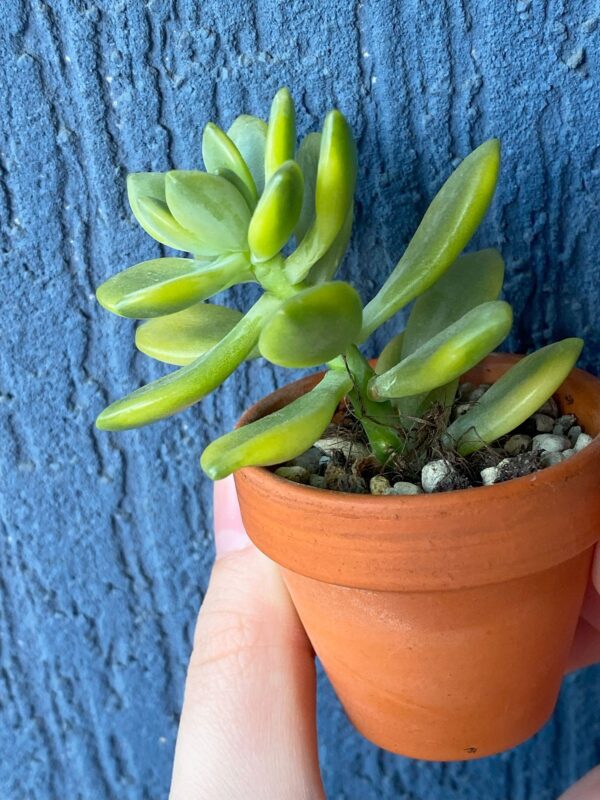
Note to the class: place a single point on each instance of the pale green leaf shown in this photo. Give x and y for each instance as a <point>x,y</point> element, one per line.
<point>313,326</point>
<point>165,285</point>
<point>448,225</point>
<point>184,387</point>
<point>515,396</point>
<point>281,133</point>
<point>183,337</point>
<point>447,355</point>
<point>220,153</point>
<point>146,194</point>
<point>249,134</point>
<point>281,435</point>
<point>209,206</point>
<point>277,212</point>
<point>473,279</point>
<point>308,159</point>
<point>336,178</point>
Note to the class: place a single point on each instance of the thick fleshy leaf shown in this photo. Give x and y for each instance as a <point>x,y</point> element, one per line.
<point>518,394</point>
<point>281,133</point>
<point>220,153</point>
<point>325,268</point>
<point>239,184</point>
<point>313,326</point>
<point>448,225</point>
<point>308,160</point>
<point>146,194</point>
<point>391,354</point>
<point>336,178</point>
<point>183,337</point>
<point>165,285</point>
<point>209,206</point>
<point>281,435</point>
<point>184,387</point>
<point>249,134</point>
<point>277,212</point>
<point>473,279</point>
<point>448,355</point>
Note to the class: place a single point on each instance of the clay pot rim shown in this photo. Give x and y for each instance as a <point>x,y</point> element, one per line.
<point>437,501</point>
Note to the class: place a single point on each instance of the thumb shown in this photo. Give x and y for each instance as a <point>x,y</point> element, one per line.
<point>248,721</point>
<point>588,788</point>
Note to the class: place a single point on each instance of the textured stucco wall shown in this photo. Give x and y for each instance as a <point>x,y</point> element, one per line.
<point>105,540</point>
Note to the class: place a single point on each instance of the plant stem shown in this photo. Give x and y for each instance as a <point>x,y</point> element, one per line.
<point>379,419</point>
<point>271,276</point>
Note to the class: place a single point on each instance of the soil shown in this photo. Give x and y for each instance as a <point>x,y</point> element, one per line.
<point>341,461</point>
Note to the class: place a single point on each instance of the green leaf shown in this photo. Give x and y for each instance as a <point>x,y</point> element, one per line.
<point>183,337</point>
<point>473,279</point>
<point>239,184</point>
<point>448,355</point>
<point>165,285</point>
<point>281,435</point>
<point>281,133</point>
<point>313,326</point>
<point>220,153</point>
<point>448,225</point>
<point>277,212</point>
<point>308,159</point>
<point>325,268</point>
<point>184,387</point>
<point>336,178</point>
<point>249,134</point>
<point>391,354</point>
<point>209,206</point>
<point>515,396</point>
<point>146,194</point>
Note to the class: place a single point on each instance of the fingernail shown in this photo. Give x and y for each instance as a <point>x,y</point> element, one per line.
<point>230,534</point>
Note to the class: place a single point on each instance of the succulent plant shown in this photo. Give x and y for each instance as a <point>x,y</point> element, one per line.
<point>281,217</point>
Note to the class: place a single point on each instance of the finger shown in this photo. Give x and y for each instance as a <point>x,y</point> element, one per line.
<point>588,788</point>
<point>586,645</point>
<point>248,720</point>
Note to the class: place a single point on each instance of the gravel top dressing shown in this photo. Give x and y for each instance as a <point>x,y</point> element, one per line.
<point>341,460</point>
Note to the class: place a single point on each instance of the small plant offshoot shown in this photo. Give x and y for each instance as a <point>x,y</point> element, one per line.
<point>267,212</point>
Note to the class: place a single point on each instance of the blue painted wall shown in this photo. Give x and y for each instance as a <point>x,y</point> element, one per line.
<point>105,545</point>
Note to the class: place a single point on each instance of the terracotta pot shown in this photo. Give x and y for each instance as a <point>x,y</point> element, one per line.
<point>443,621</point>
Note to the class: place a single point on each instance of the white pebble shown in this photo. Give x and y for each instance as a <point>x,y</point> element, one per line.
<point>489,475</point>
<point>478,392</point>
<point>519,443</point>
<point>465,389</point>
<point>350,450</point>
<point>434,473</point>
<point>573,434</point>
<point>295,474</point>
<point>582,441</point>
<point>405,487</point>
<point>379,484</point>
<point>543,423</point>
<point>550,407</point>
<point>567,453</point>
<point>549,459</point>
<point>550,442</point>
<point>567,420</point>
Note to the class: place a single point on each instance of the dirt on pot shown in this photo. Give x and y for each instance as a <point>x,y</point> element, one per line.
<point>341,460</point>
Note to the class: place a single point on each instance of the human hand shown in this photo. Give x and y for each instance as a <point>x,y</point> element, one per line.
<point>586,651</point>
<point>248,726</point>
<point>248,722</point>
